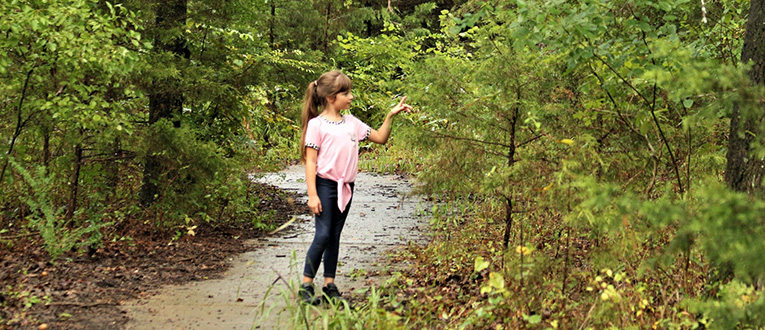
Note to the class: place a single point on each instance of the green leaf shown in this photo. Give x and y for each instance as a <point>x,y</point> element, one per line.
<point>496,280</point>
<point>533,319</point>
<point>481,264</point>
<point>665,6</point>
<point>643,26</point>
<point>687,103</point>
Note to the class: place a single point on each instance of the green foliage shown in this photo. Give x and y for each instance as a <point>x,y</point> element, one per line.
<point>190,165</point>
<point>377,65</point>
<point>65,79</point>
<point>397,157</point>
<point>371,316</point>
<point>723,225</point>
<point>589,134</point>
<point>66,62</point>
<point>25,297</point>
<point>737,304</point>
<point>202,186</point>
<point>78,79</point>
<point>604,123</point>
<point>57,234</point>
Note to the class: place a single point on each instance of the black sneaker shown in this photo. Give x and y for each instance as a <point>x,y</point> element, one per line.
<point>307,294</point>
<point>331,293</point>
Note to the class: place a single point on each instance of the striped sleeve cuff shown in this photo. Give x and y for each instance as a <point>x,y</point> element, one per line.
<point>366,136</point>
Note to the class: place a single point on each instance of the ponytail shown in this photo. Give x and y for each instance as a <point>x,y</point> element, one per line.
<point>310,111</point>
<point>328,85</point>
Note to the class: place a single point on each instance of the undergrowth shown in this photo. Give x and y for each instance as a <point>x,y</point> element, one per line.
<point>552,277</point>
<point>633,264</point>
<point>394,158</point>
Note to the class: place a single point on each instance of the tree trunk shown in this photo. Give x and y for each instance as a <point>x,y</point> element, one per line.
<point>19,125</point>
<point>510,163</point>
<point>75,181</point>
<point>273,22</point>
<point>113,168</point>
<point>326,27</point>
<point>744,172</point>
<point>168,100</point>
<point>46,148</point>
<point>508,221</point>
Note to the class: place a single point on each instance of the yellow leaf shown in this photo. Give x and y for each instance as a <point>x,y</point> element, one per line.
<point>567,141</point>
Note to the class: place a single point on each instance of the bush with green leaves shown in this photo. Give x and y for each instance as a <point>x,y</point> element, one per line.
<point>604,123</point>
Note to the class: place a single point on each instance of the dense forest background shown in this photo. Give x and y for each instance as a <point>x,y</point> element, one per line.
<point>599,163</point>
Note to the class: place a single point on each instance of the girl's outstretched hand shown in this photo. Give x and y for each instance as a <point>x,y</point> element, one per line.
<point>401,106</point>
<point>314,204</point>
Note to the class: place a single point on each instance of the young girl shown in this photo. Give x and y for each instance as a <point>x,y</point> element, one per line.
<point>330,150</point>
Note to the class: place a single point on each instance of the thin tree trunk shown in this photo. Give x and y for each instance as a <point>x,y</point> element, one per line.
<point>510,162</point>
<point>744,171</point>
<point>75,181</point>
<point>326,28</point>
<point>19,125</point>
<point>112,167</point>
<point>508,221</point>
<point>273,22</point>
<point>46,148</point>
<point>565,267</point>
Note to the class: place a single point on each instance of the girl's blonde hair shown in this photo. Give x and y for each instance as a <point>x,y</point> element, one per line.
<point>328,85</point>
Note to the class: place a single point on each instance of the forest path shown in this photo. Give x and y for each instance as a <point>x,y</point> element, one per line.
<point>381,217</point>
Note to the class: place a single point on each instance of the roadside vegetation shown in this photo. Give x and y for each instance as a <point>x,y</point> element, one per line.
<point>596,164</point>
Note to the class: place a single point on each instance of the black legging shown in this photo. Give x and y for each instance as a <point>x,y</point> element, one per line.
<point>329,226</point>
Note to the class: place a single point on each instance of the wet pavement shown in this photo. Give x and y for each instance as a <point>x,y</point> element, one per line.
<point>257,291</point>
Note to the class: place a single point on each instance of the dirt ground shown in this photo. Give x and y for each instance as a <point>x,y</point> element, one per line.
<point>83,292</point>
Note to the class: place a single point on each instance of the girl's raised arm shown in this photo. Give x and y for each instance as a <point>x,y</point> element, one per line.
<point>382,134</point>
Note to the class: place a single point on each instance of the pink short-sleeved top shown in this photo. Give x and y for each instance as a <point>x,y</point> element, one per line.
<point>338,145</point>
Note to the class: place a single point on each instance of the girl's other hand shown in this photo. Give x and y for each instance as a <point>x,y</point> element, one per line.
<point>314,204</point>
<point>401,106</point>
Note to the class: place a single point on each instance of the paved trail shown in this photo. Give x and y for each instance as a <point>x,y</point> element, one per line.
<point>380,218</point>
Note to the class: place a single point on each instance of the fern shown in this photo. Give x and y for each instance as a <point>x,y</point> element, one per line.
<point>46,219</point>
